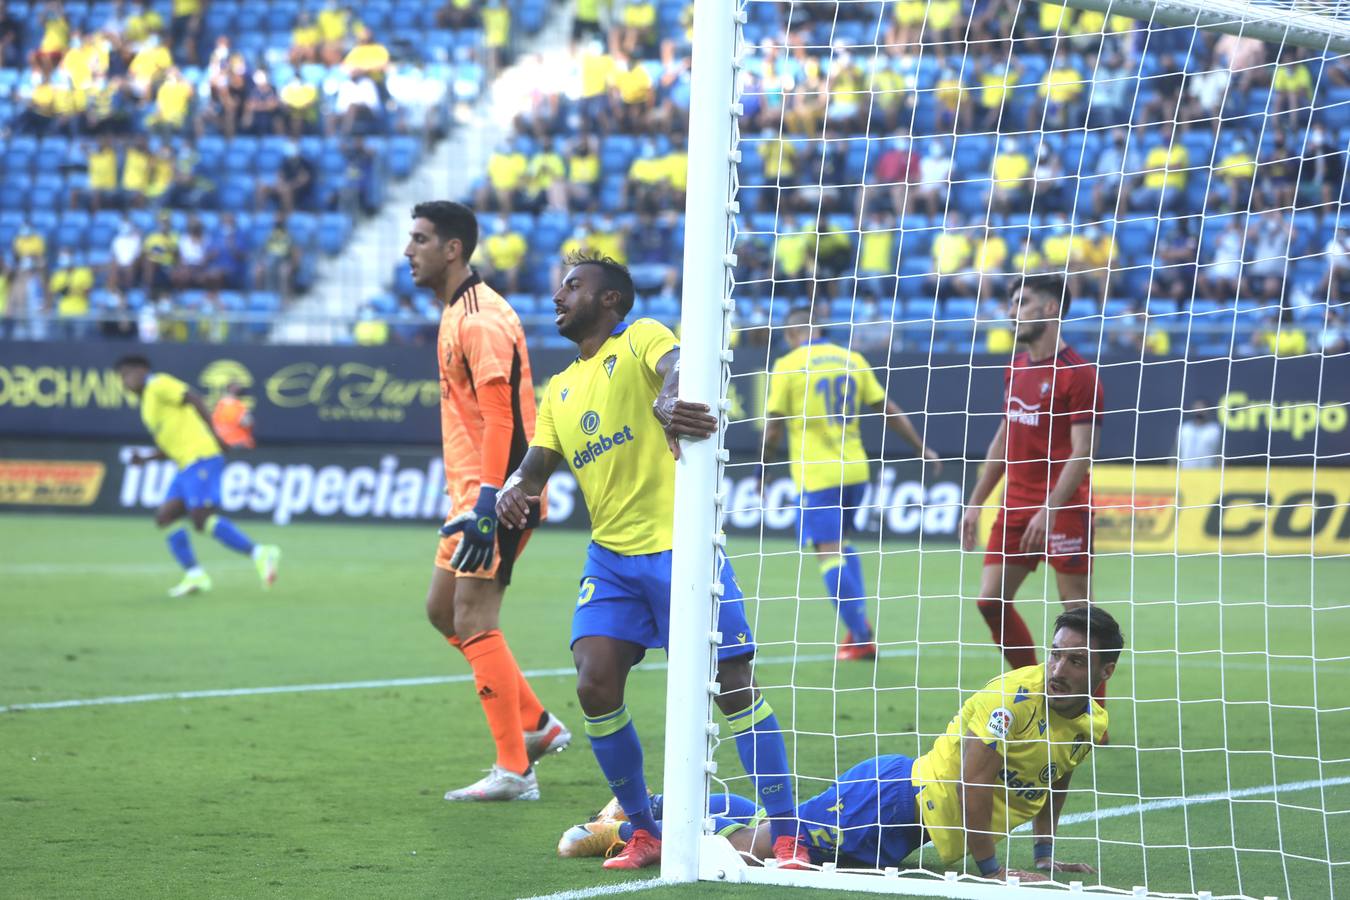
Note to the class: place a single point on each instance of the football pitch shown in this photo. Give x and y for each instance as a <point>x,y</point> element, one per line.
<point>309,732</point>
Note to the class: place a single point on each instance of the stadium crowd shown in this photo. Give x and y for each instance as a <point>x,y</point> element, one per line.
<point>169,165</point>
<point>900,160</point>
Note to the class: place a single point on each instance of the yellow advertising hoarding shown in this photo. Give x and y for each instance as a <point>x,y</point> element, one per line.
<point>1276,511</point>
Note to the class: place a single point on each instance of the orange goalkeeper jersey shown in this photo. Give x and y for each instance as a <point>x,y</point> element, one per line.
<point>480,341</point>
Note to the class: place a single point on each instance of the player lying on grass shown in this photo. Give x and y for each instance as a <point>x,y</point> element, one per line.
<point>1012,747</point>
<point>180,425</point>
<point>614,417</point>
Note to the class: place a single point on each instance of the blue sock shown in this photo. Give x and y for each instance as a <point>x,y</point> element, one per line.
<point>843,579</point>
<point>733,807</point>
<point>759,741</point>
<point>730,812</point>
<point>614,741</point>
<point>225,531</point>
<point>180,545</point>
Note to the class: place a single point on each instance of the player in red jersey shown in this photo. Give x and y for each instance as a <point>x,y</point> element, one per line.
<point>1045,446</point>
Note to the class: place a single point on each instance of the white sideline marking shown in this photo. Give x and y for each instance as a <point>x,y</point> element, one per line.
<point>1147,660</point>
<point>1112,812</point>
<point>606,890</point>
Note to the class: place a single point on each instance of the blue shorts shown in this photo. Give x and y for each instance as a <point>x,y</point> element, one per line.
<point>628,598</point>
<point>827,515</point>
<point>866,819</point>
<point>199,484</point>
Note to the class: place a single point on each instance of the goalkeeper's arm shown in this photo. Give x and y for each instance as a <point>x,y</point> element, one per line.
<point>1047,824</point>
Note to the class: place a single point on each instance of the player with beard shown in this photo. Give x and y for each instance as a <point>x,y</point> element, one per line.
<point>1044,446</point>
<point>614,418</point>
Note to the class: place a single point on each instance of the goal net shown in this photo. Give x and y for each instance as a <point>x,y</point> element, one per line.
<point>891,171</point>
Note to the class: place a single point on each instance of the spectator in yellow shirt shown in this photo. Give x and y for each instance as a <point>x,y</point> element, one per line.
<point>367,56</point>
<point>953,260</point>
<point>1062,89</point>
<point>1279,336</point>
<point>159,255</point>
<point>173,102</point>
<point>546,183</point>
<point>502,257</point>
<point>1012,176</point>
<point>795,250</point>
<point>636,32</point>
<point>990,260</point>
<point>496,16</point>
<point>335,24</point>
<point>1164,177</point>
<point>55,38</point>
<point>163,167</point>
<point>305,39</point>
<point>144,22</point>
<point>148,66</point>
<point>583,174</point>
<point>136,172</point>
<point>101,163</point>
<point>70,284</point>
<point>876,247</point>
<point>1292,84</point>
<point>780,159</point>
<point>370,330</point>
<point>1235,172</point>
<point>300,104</point>
<point>633,94</point>
<point>995,79</point>
<point>506,173</point>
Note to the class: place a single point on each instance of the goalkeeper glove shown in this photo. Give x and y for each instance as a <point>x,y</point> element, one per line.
<point>479,529</point>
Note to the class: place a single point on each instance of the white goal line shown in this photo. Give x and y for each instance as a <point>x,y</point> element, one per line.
<point>1111,812</point>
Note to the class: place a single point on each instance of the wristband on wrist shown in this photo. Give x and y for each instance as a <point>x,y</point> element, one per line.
<point>989,867</point>
<point>1044,850</point>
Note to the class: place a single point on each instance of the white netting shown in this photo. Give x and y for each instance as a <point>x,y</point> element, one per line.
<point>900,165</point>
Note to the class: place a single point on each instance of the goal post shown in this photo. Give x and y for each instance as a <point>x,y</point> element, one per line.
<point>1224,774</point>
<point>705,316</point>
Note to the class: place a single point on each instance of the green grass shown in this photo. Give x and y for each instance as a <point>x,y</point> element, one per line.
<point>339,793</point>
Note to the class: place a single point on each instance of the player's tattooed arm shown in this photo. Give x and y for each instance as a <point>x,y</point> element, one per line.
<point>679,418</point>
<point>995,463</point>
<point>525,485</point>
<point>897,421</point>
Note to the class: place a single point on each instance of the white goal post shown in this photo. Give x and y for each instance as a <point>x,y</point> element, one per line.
<point>713,311</point>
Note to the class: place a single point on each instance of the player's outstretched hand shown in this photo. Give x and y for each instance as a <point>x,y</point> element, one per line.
<point>1025,877</point>
<point>513,507</point>
<point>478,526</point>
<point>683,419</point>
<point>970,527</point>
<point>1045,865</point>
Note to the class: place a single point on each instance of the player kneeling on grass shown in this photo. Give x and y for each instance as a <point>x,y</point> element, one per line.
<point>1012,747</point>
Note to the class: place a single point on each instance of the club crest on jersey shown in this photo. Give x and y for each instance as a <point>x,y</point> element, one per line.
<point>590,421</point>
<point>1000,722</point>
<point>563,395</point>
<point>1049,774</point>
<point>609,364</point>
<point>1045,387</point>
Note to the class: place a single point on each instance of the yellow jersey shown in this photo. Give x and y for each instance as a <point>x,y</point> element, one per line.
<point>818,388</point>
<point>176,426</point>
<point>1038,746</point>
<point>597,415</point>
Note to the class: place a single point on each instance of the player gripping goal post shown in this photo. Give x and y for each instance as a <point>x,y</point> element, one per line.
<point>1025,323</point>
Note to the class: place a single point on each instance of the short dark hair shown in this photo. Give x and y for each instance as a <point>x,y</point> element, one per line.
<point>452,221</point>
<point>1051,283</point>
<point>799,315</point>
<point>614,276</point>
<point>1098,626</point>
<point>131,361</point>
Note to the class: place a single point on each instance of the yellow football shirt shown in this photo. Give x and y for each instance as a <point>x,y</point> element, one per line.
<point>597,415</point>
<point>819,388</point>
<point>176,426</point>
<point>1038,747</point>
